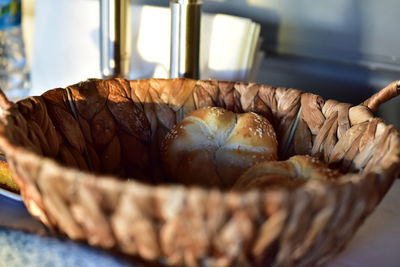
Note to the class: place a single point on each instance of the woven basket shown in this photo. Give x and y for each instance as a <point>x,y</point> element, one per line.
<point>71,148</point>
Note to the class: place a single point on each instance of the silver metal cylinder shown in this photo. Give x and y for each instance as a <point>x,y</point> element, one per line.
<point>185,38</point>
<point>115,38</point>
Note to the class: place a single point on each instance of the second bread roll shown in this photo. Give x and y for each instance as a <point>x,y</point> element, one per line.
<point>214,146</point>
<point>289,174</point>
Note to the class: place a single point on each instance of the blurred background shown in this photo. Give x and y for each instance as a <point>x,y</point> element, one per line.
<point>343,49</point>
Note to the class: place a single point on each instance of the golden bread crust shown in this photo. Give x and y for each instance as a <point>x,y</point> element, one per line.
<point>6,178</point>
<point>290,173</point>
<point>214,146</point>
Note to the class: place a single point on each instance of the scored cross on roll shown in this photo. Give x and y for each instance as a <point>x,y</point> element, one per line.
<point>214,146</point>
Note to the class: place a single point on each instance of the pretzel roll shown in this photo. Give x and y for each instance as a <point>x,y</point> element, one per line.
<point>290,173</point>
<point>214,146</point>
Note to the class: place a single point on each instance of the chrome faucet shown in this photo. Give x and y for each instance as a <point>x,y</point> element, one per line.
<point>185,38</point>
<point>116,38</point>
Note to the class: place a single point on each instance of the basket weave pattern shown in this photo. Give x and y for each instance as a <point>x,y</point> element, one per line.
<point>66,148</point>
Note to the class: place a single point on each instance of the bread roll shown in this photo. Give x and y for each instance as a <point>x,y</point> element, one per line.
<point>6,177</point>
<point>214,146</point>
<point>290,173</point>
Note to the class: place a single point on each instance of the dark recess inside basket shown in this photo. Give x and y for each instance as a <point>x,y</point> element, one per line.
<point>110,146</point>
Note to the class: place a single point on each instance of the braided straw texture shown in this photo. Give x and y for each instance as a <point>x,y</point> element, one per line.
<point>67,147</point>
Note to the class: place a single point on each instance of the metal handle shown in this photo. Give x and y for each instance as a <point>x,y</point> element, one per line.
<point>115,38</point>
<point>185,38</point>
